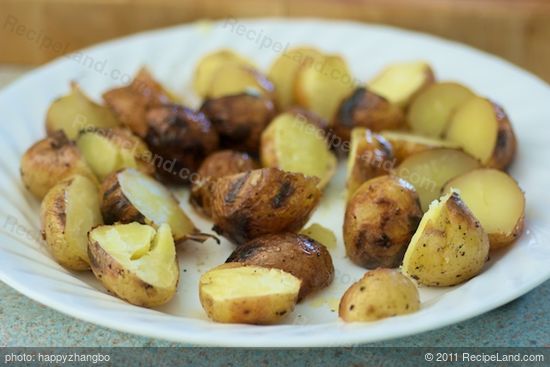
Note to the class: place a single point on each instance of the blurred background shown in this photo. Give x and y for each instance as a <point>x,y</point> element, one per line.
<point>517,30</point>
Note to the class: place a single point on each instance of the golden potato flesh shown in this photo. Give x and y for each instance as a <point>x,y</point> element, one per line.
<point>483,130</point>
<point>75,112</point>
<point>406,144</point>
<point>291,144</point>
<point>496,201</point>
<point>68,212</point>
<point>135,262</point>
<point>235,78</point>
<point>248,205</point>
<point>380,220</point>
<point>321,234</point>
<point>381,293</point>
<point>449,246</point>
<point>236,293</point>
<point>49,161</point>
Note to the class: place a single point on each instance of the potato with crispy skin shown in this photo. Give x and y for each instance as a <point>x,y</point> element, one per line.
<point>68,212</point>
<point>406,144</point>
<point>380,220</point>
<point>248,205</point>
<point>296,254</point>
<point>135,262</point>
<point>381,293</point>
<point>235,78</point>
<point>449,246</point>
<point>49,161</point>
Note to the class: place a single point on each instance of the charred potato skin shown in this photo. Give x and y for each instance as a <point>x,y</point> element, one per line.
<point>296,254</point>
<point>380,219</point>
<point>259,202</point>
<point>115,206</point>
<point>506,144</point>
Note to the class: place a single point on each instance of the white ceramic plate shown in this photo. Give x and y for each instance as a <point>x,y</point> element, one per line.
<point>171,54</point>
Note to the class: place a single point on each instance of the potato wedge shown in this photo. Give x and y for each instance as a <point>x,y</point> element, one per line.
<point>370,156</point>
<point>135,262</point>
<point>109,150</point>
<point>381,293</point>
<point>130,196</point>
<point>406,144</point>
<point>449,247</point>
<point>363,108</point>
<point>400,82</point>
<point>496,201</point>
<point>296,254</point>
<point>483,130</point>
<point>430,111</point>
<point>380,220</point>
<point>248,205</point>
<point>51,160</point>
<point>293,145</point>
<point>68,212</point>
<point>428,171</point>
<point>235,78</point>
<point>75,111</point>
<point>236,293</point>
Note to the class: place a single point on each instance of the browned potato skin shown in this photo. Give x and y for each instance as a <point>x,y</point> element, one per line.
<point>248,205</point>
<point>240,119</point>
<point>366,109</point>
<point>380,220</point>
<point>506,144</point>
<point>49,161</point>
<point>181,137</point>
<point>216,165</point>
<point>115,206</point>
<point>296,254</point>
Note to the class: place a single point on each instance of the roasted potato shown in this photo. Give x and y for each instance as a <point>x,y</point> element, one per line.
<point>135,262</point>
<point>130,196</point>
<point>235,78</point>
<point>239,119</point>
<point>428,171</point>
<point>248,205</point>
<point>320,234</point>
<point>182,138</point>
<point>296,254</point>
<point>431,109</point>
<point>406,144</point>
<point>381,293</point>
<point>68,212</point>
<point>483,130</point>
<point>363,108</point>
<point>236,293</point>
<point>49,161</point>
<point>74,112</point>
<point>309,117</point>
<point>370,156</point>
<point>380,220</point>
<point>216,165</point>
<point>399,83</point>
<point>109,150</point>
<point>293,145</point>
<point>449,246</point>
<point>496,201</point>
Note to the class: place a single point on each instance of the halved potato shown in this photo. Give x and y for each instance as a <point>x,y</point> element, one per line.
<point>75,111</point>
<point>235,78</point>
<point>68,212</point>
<point>291,144</point>
<point>431,110</point>
<point>399,83</point>
<point>496,201</point>
<point>406,144</point>
<point>483,130</point>
<point>135,262</point>
<point>428,171</point>
<point>321,234</point>
<point>449,247</point>
<point>381,293</point>
<point>236,293</point>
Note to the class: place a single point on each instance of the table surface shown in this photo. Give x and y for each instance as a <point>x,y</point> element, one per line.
<point>524,322</point>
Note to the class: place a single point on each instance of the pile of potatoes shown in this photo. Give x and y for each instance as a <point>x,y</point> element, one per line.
<point>427,194</point>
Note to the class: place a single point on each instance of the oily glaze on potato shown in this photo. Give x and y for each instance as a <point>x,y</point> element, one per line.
<point>49,161</point>
<point>68,212</point>
<point>380,220</point>
<point>248,205</point>
<point>296,254</point>
<point>449,247</point>
<point>381,293</point>
<point>135,262</point>
<point>239,119</point>
<point>216,165</point>
<point>405,144</point>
